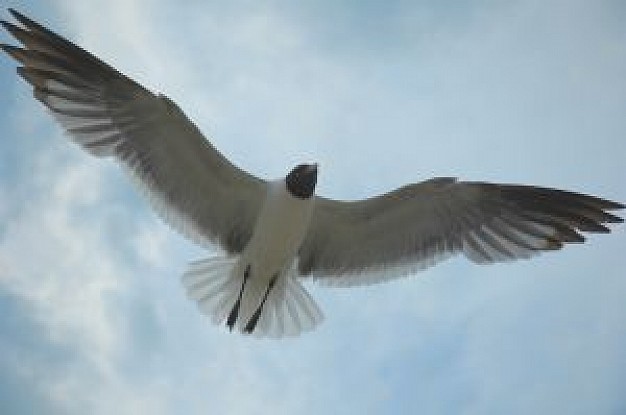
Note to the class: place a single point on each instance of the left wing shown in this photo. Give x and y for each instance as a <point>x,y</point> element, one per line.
<point>387,236</point>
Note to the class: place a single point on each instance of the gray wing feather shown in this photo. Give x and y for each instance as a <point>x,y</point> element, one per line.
<point>190,184</point>
<point>413,227</point>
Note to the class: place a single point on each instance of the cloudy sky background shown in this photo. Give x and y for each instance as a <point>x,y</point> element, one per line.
<point>94,319</point>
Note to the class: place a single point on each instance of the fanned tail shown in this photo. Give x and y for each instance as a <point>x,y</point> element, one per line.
<point>288,311</point>
<point>215,284</point>
<point>209,282</point>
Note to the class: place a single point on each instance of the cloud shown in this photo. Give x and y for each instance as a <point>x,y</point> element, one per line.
<point>57,261</point>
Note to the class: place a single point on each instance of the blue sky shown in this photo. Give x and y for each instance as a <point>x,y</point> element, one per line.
<point>95,320</point>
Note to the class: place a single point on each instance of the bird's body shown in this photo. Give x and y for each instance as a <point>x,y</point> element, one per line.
<point>281,226</point>
<point>269,256</point>
<point>273,234</point>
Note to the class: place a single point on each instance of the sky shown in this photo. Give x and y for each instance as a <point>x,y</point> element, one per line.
<point>94,319</point>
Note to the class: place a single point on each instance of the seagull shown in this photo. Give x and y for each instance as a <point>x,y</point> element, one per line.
<point>272,235</point>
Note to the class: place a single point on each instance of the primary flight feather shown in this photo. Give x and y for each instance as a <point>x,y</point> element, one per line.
<point>274,232</point>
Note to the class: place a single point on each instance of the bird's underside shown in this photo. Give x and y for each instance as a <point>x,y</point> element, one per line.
<point>209,200</point>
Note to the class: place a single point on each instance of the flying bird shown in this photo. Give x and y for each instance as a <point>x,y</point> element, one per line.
<point>274,234</point>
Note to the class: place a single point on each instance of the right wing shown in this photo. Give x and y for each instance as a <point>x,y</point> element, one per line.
<point>190,184</point>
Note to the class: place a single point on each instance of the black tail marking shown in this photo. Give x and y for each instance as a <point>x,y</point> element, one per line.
<point>255,317</point>
<point>234,313</point>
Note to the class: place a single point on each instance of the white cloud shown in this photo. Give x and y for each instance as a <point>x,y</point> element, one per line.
<point>46,244</point>
<point>56,261</point>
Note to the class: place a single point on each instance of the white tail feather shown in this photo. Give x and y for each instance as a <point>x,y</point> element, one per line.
<point>215,283</point>
<point>289,310</point>
<point>209,282</point>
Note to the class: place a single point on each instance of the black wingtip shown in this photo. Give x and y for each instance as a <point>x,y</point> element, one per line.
<point>614,218</point>
<point>28,24</point>
<point>7,26</point>
<point>13,29</point>
<point>19,16</point>
<point>13,51</point>
<point>30,75</point>
<point>611,205</point>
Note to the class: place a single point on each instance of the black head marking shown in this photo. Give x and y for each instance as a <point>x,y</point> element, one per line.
<point>301,180</point>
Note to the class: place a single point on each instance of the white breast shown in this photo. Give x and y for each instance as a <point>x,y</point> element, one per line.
<point>280,229</point>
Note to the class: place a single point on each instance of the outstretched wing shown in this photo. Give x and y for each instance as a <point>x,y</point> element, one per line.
<point>417,225</point>
<point>194,188</point>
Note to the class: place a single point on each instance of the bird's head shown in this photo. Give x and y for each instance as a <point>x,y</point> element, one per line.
<point>301,180</point>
